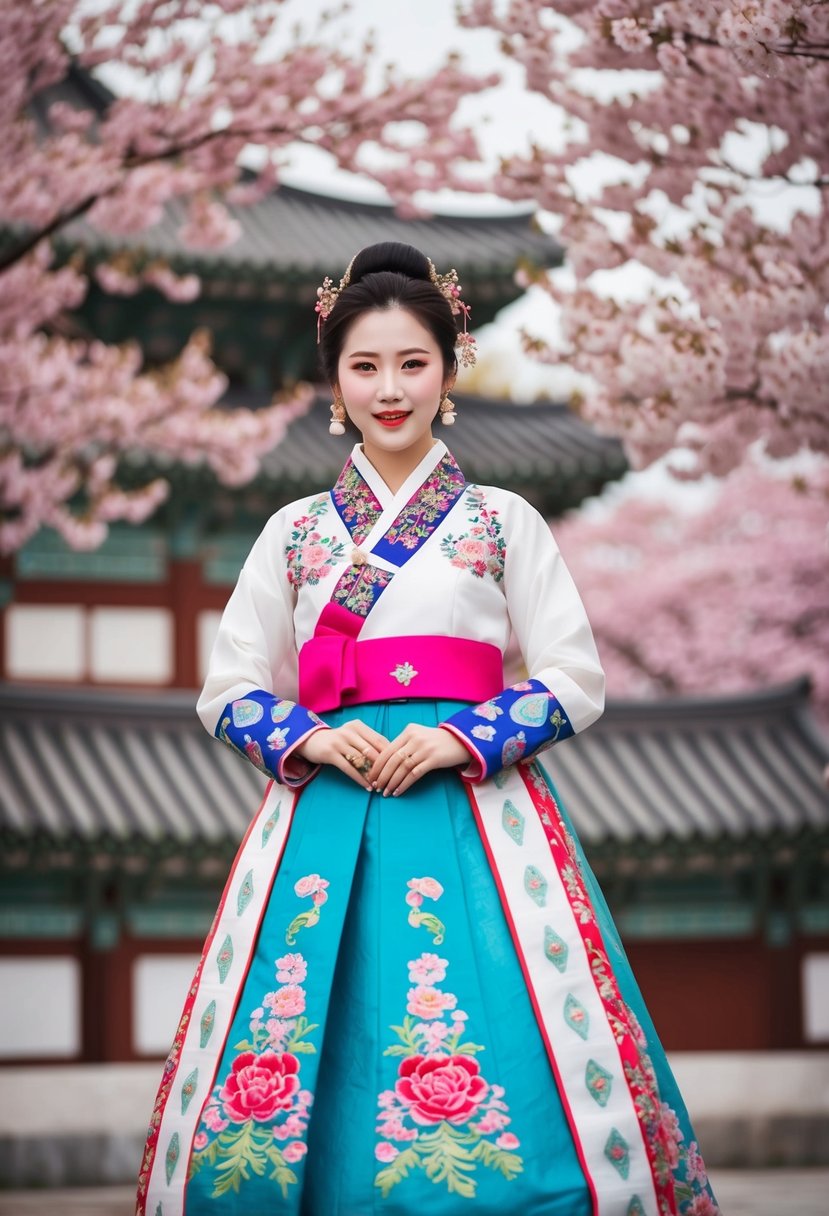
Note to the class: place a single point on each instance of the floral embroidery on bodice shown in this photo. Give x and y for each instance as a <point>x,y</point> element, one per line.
<point>427,507</point>
<point>356,502</point>
<point>310,556</point>
<point>481,549</point>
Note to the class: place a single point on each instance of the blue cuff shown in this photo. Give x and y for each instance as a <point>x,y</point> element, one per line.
<point>265,728</point>
<point>517,724</point>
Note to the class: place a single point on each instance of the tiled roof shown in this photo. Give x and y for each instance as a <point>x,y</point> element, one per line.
<point>543,451</point>
<point>136,774</point>
<point>302,235</point>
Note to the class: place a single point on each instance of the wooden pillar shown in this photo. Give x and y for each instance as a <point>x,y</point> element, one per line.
<point>186,598</point>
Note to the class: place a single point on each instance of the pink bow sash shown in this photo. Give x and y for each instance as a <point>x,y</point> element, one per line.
<point>335,669</point>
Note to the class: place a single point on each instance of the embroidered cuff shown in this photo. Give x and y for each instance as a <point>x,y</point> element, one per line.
<point>519,723</point>
<point>268,730</point>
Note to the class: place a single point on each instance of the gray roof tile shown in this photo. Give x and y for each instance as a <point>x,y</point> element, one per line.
<point>135,772</point>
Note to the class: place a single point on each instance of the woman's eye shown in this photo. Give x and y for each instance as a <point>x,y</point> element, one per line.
<point>412,363</point>
<point>363,367</point>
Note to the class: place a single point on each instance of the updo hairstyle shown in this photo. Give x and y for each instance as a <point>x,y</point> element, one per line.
<point>389,275</point>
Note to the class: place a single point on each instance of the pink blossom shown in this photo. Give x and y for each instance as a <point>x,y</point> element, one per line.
<point>213,1119</point>
<point>279,1031</point>
<point>287,1002</point>
<point>428,1002</point>
<point>294,1151</point>
<point>430,887</point>
<point>507,1140</point>
<point>703,1205</point>
<point>434,1033</point>
<point>414,899</point>
<point>428,969</point>
<point>291,969</point>
<point>385,1152</point>
<point>309,885</point>
<point>200,1141</point>
<point>695,1166</point>
<point>493,1121</point>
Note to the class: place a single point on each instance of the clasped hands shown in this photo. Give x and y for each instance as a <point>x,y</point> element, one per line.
<point>389,766</point>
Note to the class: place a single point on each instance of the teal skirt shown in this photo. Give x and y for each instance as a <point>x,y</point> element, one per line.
<point>384,1054</point>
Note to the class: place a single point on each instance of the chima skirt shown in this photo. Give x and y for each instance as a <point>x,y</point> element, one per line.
<point>417,1003</point>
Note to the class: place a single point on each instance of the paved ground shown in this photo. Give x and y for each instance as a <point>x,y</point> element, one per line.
<point>740,1193</point>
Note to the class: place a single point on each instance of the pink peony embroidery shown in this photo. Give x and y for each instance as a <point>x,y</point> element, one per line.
<point>286,1002</point>
<point>313,556</point>
<point>428,969</point>
<point>438,1088</point>
<point>259,1086</point>
<point>470,549</point>
<point>427,1002</point>
<point>294,1151</point>
<point>200,1141</point>
<point>291,969</point>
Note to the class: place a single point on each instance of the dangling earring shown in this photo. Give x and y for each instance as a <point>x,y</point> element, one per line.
<point>447,410</point>
<point>335,426</point>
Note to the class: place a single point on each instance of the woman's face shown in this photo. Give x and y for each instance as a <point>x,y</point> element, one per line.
<point>391,378</point>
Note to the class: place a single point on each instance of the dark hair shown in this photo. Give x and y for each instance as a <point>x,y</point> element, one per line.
<point>389,275</point>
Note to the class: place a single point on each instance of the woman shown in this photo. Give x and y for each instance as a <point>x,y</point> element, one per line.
<point>413,993</point>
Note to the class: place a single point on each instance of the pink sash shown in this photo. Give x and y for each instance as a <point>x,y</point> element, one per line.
<point>335,669</point>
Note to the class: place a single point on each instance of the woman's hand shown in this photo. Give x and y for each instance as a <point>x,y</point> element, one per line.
<point>415,752</point>
<point>352,748</point>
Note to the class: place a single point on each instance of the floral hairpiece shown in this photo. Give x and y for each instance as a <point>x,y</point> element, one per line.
<point>448,286</point>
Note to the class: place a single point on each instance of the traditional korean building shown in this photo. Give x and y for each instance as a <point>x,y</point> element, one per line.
<point>705,820</point>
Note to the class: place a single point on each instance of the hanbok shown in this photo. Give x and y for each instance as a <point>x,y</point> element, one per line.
<point>418,1003</point>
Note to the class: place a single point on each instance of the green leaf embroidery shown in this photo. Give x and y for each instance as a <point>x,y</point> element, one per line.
<point>281,1172</point>
<point>242,1152</point>
<point>301,1029</point>
<point>508,1164</point>
<point>397,1170</point>
<point>428,920</point>
<point>300,921</point>
<point>447,1159</point>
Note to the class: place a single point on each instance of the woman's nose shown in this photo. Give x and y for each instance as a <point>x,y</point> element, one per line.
<point>388,389</point>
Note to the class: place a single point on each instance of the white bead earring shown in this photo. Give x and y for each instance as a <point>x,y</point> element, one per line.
<point>336,425</point>
<point>447,410</point>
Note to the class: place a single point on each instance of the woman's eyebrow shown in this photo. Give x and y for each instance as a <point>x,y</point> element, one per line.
<point>373,354</point>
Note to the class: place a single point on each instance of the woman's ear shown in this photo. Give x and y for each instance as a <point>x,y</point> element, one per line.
<point>449,382</point>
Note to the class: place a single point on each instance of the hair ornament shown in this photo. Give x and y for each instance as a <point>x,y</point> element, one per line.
<point>448,286</point>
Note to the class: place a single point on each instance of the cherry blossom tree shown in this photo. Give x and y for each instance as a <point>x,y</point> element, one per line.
<point>706,121</point>
<point>209,82</point>
<point>732,597</point>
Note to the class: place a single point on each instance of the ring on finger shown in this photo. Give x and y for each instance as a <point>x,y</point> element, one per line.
<point>361,763</point>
